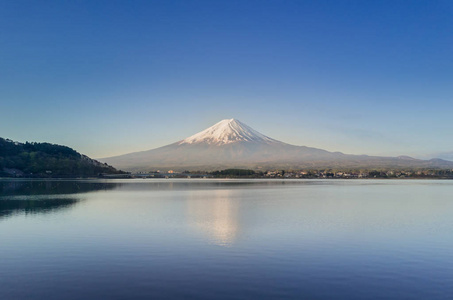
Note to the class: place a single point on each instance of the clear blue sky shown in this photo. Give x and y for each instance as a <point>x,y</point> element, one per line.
<point>111,77</point>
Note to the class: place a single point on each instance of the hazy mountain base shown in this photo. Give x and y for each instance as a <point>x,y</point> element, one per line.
<point>259,156</point>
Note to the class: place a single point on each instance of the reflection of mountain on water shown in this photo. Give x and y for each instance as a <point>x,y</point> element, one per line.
<point>217,217</point>
<point>51,187</point>
<point>10,207</point>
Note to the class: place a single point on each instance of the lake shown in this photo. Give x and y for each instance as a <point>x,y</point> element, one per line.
<point>226,239</point>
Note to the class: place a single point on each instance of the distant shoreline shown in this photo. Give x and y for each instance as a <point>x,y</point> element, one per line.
<point>209,178</point>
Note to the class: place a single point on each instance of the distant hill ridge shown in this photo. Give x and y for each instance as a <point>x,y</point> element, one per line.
<point>233,144</point>
<point>47,160</point>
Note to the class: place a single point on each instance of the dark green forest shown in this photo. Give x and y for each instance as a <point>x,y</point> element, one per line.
<point>234,173</point>
<point>47,160</point>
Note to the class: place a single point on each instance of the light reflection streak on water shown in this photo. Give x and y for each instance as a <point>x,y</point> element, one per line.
<point>215,214</point>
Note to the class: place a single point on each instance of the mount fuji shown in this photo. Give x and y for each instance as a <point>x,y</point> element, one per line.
<point>232,144</point>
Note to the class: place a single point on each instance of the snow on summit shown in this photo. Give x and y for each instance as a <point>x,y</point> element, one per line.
<point>226,132</point>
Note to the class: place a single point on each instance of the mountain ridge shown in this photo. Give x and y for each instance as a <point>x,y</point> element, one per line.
<point>231,143</point>
<point>47,160</point>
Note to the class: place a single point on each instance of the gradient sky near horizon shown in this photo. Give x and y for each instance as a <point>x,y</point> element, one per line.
<point>112,77</point>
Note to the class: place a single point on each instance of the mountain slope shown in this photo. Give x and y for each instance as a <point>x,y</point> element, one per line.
<point>227,132</point>
<point>231,143</point>
<point>44,159</point>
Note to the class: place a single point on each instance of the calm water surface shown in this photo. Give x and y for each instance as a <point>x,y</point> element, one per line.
<point>226,239</point>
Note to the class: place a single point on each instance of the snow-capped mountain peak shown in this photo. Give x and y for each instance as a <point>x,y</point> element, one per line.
<point>232,144</point>
<point>226,132</point>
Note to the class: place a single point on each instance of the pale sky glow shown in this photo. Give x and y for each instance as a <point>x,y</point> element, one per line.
<point>108,78</point>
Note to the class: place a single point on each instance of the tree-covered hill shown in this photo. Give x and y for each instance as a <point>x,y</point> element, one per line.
<point>47,160</point>
<point>234,173</point>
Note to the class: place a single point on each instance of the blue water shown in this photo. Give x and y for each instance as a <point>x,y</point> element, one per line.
<point>226,239</point>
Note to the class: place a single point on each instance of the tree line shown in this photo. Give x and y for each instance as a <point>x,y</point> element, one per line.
<point>46,160</point>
